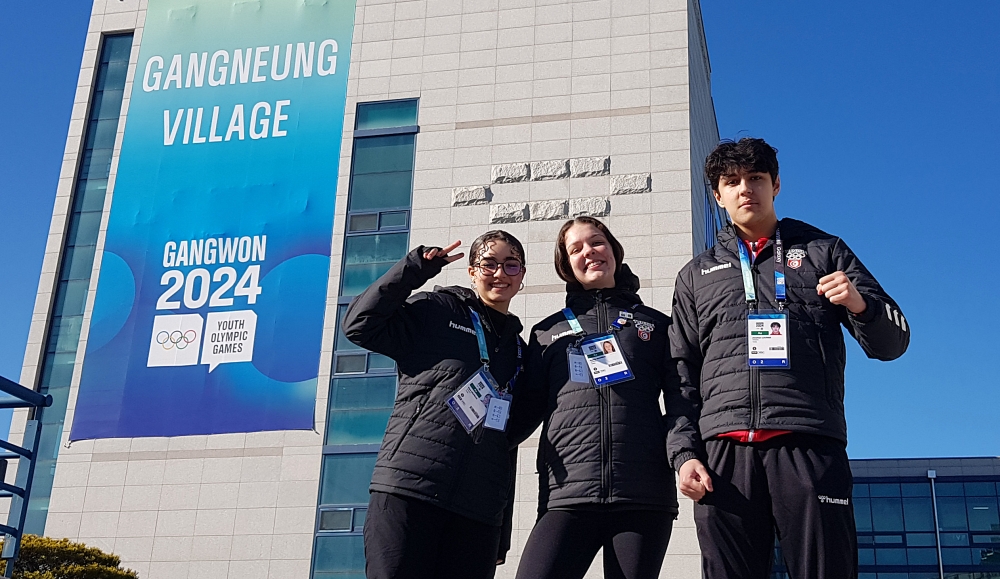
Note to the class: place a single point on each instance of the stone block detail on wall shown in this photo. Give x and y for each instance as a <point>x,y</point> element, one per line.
<point>470,196</point>
<point>509,173</point>
<point>548,210</point>
<point>628,184</point>
<point>593,206</point>
<point>508,212</point>
<point>590,166</point>
<point>548,170</point>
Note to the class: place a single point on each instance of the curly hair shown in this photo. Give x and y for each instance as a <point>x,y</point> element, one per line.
<point>747,154</point>
<point>481,245</point>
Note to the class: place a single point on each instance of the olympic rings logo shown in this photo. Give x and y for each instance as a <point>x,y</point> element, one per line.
<point>176,338</point>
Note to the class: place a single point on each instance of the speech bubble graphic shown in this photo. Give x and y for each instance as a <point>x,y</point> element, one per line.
<point>175,340</point>
<point>229,338</point>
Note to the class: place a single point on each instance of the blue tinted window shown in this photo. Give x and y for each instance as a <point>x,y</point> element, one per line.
<point>342,344</point>
<point>921,556</point>
<point>339,557</point>
<point>918,514</point>
<point>863,514</point>
<point>920,540</point>
<point>90,195</point>
<point>367,257</point>
<point>346,478</point>
<point>890,556</point>
<point>70,297</point>
<point>916,489</point>
<point>951,514</point>
<point>884,489</point>
<point>382,173</point>
<point>866,556</point>
<point>359,409</point>
<point>950,489</point>
<point>860,490</point>
<point>386,114</point>
<point>887,514</point>
<point>64,334</point>
<point>76,264</point>
<point>980,489</point>
<point>982,513</point>
<point>951,556</point>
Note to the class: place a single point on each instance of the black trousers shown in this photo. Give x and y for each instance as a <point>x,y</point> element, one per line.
<point>564,543</point>
<point>796,485</point>
<point>412,539</point>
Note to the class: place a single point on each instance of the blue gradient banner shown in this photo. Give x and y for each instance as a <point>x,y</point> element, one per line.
<point>209,310</point>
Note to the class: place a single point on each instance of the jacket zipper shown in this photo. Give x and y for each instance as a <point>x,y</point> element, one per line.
<point>606,474</point>
<point>406,430</point>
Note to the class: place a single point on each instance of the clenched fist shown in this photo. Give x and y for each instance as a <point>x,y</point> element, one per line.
<point>841,292</point>
<point>693,480</point>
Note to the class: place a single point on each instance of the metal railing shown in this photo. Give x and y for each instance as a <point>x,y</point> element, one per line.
<point>19,397</point>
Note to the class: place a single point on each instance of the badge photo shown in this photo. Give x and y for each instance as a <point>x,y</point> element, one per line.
<point>795,257</point>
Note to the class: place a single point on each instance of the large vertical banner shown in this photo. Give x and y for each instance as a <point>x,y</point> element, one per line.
<point>209,309</point>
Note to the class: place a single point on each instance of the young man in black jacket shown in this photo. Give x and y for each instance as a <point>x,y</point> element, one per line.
<point>768,452</point>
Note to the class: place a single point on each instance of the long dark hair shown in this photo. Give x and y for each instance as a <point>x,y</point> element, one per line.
<point>563,267</point>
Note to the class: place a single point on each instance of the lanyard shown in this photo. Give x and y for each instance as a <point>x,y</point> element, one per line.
<point>574,324</point>
<point>484,351</point>
<point>779,271</point>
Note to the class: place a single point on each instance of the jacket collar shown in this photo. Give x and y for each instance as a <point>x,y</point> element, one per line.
<point>469,299</point>
<point>791,229</point>
<point>626,286</point>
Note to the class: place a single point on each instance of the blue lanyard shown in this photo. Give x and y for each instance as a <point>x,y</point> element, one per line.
<point>484,351</point>
<point>574,324</point>
<point>779,271</point>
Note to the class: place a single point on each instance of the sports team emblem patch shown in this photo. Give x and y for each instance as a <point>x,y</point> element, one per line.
<point>645,329</point>
<point>795,257</point>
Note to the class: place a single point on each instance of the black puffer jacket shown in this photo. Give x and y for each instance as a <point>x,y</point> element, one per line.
<point>605,447</point>
<point>708,338</point>
<point>426,453</point>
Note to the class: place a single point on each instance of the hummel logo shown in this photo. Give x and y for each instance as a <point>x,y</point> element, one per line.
<point>716,268</point>
<point>453,325</point>
<point>833,501</point>
<point>561,334</point>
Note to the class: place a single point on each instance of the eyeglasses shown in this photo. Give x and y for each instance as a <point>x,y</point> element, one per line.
<point>510,267</point>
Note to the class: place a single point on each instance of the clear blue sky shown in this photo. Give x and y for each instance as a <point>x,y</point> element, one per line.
<point>886,116</point>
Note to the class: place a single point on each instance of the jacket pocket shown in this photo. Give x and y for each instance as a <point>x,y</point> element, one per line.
<point>409,424</point>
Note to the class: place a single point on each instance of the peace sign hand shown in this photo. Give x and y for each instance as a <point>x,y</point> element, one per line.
<point>443,253</point>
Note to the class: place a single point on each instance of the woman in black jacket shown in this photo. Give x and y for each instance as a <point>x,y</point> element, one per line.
<point>596,371</point>
<point>442,476</point>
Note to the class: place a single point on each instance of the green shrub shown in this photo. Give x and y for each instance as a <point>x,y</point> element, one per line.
<point>44,558</point>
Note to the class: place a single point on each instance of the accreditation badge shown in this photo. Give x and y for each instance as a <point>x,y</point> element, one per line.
<point>605,360</point>
<point>472,399</point>
<point>767,340</point>
<point>578,371</point>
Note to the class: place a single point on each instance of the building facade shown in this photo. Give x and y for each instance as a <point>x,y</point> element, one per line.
<point>458,116</point>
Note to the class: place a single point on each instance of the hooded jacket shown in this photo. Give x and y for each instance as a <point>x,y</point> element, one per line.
<point>426,454</point>
<point>605,447</point>
<point>709,338</point>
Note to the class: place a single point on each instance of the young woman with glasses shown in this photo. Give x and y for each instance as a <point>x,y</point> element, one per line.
<point>444,474</point>
<point>596,371</point>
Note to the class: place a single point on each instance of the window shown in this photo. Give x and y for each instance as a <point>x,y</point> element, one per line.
<point>363,387</point>
<point>77,263</point>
